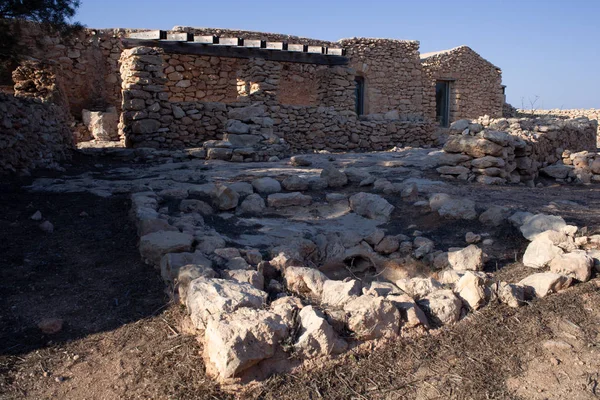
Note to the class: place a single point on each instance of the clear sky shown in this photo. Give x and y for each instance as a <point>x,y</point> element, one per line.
<point>546,48</point>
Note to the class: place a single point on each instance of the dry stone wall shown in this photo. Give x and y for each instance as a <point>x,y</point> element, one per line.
<point>34,135</point>
<point>591,113</point>
<point>256,127</point>
<point>392,73</point>
<point>497,151</point>
<point>475,84</point>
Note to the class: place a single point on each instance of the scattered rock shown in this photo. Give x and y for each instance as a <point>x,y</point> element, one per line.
<point>545,283</point>
<point>47,227</point>
<point>51,326</point>
<point>510,294</point>
<point>388,245</point>
<point>225,198</point>
<point>468,259</point>
<point>37,216</point>
<point>254,278</point>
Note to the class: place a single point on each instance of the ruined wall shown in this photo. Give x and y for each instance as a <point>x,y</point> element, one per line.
<point>591,113</point>
<point>392,73</point>
<point>475,87</point>
<point>494,151</point>
<point>86,64</point>
<point>34,135</point>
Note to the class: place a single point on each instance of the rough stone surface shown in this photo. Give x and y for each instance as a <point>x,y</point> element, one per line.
<point>468,259</point>
<point>240,340</point>
<point>155,245</point>
<point>442,307</point>
<point>545,283</point>
<point>372,317</point>
<point>317,337</point>
<point>577,265</point>
<point>209,299</point>
<point>371,206</point>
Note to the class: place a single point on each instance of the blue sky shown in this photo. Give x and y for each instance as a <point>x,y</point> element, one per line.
<point>548,49</point>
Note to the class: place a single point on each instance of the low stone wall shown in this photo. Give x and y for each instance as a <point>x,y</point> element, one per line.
<point>496,151</point>
<point>34,135</point>
<point>590,113</point>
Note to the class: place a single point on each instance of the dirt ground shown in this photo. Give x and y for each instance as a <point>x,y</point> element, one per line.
<point>121,337</point>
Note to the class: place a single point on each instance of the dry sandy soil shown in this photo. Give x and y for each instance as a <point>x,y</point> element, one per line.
<point>121,337</point>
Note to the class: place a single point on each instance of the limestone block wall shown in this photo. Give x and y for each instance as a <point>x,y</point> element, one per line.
<point>34,135</point>
<point>257,125</point>
<point>475,84</point>
<point>392,73</point>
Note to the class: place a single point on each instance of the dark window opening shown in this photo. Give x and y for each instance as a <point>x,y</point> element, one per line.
<point>442,103</point>
<point>360,95</point>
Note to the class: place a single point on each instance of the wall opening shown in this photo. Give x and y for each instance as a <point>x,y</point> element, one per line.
<point>442,103</point>
<point>359,91</point>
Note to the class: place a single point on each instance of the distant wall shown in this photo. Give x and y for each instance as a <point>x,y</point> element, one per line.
<point>590,113</point>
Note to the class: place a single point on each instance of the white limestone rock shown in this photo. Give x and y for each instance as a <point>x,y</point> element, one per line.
<point>470,289</point>
<point>545,283</point>
<point>577,265</point>
<point>372,317</point>
<point>510,294</point>
<point>295,183</point>
<point>494,216</point>
<point>303,280</point>
<point>442,306</point>
<point>468,259</point>
<point>337,293</point>
<point>209,299</point>
<point>240,340</point>
<point>540,252</point>
<point>539,223</point>
<point>317,337</point>
<point>171,263</point>
<point>418,287</point>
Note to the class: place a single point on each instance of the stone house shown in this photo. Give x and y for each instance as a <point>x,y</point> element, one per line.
<point>460,84</point>
<point>185,87</point>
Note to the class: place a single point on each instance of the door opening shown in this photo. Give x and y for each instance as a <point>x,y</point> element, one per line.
<point>359,92</point>
<point>442,103</point>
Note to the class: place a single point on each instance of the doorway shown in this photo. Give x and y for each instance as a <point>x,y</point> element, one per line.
<point>359,93</point>
<point>442,103</point>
